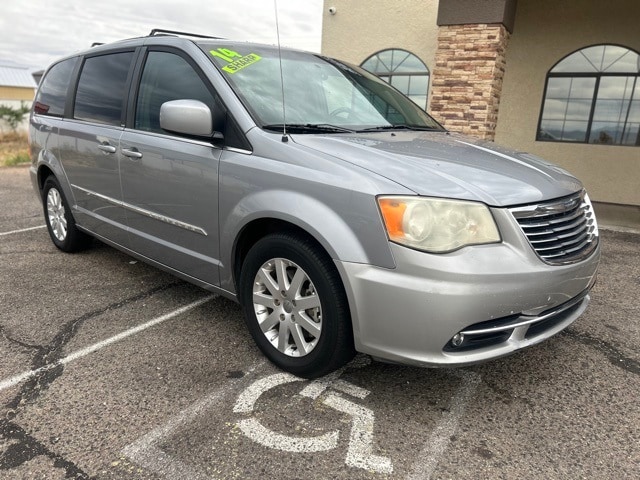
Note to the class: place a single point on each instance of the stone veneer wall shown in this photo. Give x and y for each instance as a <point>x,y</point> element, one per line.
<point>467,78</point>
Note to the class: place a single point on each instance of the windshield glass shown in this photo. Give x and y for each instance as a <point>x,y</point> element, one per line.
<point>320,94</point>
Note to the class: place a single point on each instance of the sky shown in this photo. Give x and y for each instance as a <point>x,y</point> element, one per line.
<point>34,33</point>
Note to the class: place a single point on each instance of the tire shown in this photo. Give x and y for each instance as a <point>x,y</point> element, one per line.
<point>60,223</point>
<point>295,305</point>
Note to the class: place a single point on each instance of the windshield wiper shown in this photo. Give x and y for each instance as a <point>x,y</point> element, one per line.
<point>309,128</point>
<point>380,128</point>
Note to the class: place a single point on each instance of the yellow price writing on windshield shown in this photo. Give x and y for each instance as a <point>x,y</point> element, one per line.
<point>235,60</point>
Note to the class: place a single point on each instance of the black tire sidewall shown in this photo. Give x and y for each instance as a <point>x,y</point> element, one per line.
<point>334,346</point>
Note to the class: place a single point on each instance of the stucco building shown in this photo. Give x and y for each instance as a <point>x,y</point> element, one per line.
<point>557,78</point>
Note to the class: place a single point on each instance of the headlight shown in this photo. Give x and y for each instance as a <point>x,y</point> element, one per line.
<point>437,225</point>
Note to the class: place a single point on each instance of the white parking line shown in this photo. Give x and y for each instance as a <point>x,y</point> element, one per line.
<point>22,230</point>
<point>147,454</point>
<point>440,438</point>
<point>10,382</point>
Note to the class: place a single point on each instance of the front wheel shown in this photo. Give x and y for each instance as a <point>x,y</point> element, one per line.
<point>60,223</point>
<point>295,306</point>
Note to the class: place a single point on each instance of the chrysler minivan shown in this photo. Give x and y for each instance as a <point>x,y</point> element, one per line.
<point>335,211</point>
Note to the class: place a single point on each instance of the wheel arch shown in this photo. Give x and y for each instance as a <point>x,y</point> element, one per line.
<point>49,165</point>
<point>347,234</point>
<point>44,172</point>
<point>259,228</point>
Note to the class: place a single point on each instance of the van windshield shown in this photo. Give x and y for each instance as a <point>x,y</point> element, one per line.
<point>320,94</point>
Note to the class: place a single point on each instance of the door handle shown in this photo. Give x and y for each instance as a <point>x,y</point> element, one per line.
<point>105,147</point>
<point>132,153</point>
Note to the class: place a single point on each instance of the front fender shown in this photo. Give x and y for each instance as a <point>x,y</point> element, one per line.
<point>320,221</point>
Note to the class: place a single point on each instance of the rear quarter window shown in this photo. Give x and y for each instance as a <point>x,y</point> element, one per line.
<point>52,94</point>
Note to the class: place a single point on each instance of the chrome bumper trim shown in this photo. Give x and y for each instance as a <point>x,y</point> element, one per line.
<point>524,320</point>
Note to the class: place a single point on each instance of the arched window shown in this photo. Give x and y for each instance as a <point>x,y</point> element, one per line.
<point>403,70</point>
<point>593,96</point>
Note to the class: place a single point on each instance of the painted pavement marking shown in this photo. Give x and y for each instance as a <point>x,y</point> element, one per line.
<point>360,449</point>
<point>359,453</point>
<point>147,454</point>
<point>2,234</point>
<point>446,427</point>
<point>12,381</point>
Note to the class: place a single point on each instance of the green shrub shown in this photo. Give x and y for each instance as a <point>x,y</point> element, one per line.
<point>13,116</point>
<point>17,159</point>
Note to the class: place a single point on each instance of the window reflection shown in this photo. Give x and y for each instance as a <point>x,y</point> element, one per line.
<point>167,77</point>
<point>52,94</point>
<point>101,88</point>
<point>403,70</point>
<point>593,96</point>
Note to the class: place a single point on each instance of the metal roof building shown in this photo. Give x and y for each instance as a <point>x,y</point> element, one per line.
<point>13,75</point>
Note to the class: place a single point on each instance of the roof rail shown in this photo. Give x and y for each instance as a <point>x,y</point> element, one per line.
<point>96,44</point>
<point>162,31</point>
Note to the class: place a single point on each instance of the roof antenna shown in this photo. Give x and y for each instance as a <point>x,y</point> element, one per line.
<point>284,118</point>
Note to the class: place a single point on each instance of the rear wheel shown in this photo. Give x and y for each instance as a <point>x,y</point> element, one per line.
<point>295,306</point>
<point>60,223</point>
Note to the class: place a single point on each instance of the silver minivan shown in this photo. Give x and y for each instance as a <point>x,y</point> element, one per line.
<point>339,214</point>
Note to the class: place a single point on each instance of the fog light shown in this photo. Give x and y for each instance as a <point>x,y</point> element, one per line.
<point>457,339</point>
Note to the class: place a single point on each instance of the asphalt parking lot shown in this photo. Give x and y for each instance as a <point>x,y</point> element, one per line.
<point>111,369</point>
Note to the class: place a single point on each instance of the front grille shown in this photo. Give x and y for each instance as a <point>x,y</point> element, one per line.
<point>560,231</point>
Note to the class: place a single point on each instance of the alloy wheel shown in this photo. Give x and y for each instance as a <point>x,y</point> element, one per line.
<point>287,307</point>
<point>56,214</point>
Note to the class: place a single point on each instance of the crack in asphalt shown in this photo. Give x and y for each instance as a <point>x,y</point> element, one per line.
<point>613,354</point>
<point>28,447</point>
<point>20,343</point>
<point>25,446</point>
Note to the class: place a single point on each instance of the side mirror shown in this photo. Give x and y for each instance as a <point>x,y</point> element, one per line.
<point>191,117</point>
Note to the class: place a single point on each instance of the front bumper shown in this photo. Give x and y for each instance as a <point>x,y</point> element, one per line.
<point>502,297</point>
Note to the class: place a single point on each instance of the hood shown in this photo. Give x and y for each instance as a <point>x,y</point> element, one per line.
<point>449,165</point>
